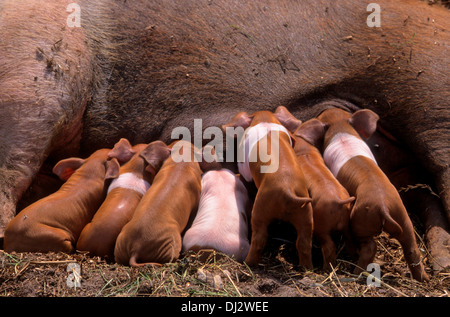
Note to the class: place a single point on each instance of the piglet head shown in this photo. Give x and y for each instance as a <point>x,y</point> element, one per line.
<point>241,119</point>
<point>123,151</point>
<point>287,119</point>
<point>364,121</point>
<point>312,131</point>
<point>66,167</point>
<point>155,154</point>
<point>207,158</point>
<point>112,169</point>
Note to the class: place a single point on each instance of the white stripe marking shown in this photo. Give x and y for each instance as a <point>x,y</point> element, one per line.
<point>252,136</point>
<point>130,181</point>
<point>342,148</point>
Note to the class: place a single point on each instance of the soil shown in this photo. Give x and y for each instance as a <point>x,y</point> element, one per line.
<point>215,275</point>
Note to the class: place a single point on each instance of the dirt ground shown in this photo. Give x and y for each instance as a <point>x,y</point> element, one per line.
<point>214,275</point>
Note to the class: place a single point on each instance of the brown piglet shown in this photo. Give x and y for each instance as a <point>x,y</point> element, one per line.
<point>378,205</point>
<point>331,202</point>
<point>129,184</point>
<point>55,222</point>
<point>153,235</point>
<point>269,160</point>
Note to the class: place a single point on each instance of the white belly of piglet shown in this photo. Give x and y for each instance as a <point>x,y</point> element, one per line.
<point>221,220</point>
<point>342,148</point>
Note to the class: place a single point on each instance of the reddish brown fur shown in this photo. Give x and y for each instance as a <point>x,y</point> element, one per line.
<point>139,69</point>
<point>418,196</point>
<point>55,222</point>
<point>281,195</point>
<point>99,236</point>
<point>378,205</point>
<point>331,202</point>
<point>153,235</point>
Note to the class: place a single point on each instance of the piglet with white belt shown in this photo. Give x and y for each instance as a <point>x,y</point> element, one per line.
<point>378,206</point>
<point>221,222</point>
<point>129,184</point>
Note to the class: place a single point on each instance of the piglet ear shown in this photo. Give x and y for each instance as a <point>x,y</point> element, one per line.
<point>112,169</point>
<point>365,122</point>
<point>312,131</point>
<point>155,154</point>
<point>242,119</point>
<point>65,168</point>
<point>123,151</point>
<point>287,119</point>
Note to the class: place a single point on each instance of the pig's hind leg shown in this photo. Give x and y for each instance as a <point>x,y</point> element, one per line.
<point>38,238</point>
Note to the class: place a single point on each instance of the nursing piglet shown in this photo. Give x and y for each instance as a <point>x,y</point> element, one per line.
<point>153,235</point>
<point>378,205</point>
<point>331,202</point>
<point>54,223</point>
<point>128,186</point>
<point>282,192</point>
<point>221,222</point>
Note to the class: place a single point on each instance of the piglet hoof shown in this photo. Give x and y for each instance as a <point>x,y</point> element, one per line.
<point>251,261</point>
<point>418,273</point>
<point>305,263</point>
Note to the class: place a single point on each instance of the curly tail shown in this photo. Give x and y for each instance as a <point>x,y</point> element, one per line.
<point>389,224</point>
<point>297,201</point>
<point>346,201</point>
